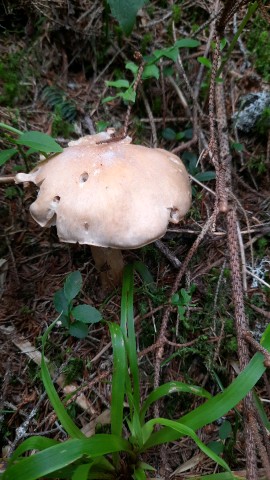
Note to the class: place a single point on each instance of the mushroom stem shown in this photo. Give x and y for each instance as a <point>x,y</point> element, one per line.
<point>110,264</point>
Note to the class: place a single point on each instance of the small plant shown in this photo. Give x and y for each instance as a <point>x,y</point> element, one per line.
<point>115,455</point>
<point>125,88</point>
<point>76,319</point>
<point>35,142</point>
<point>182,300</point>
<point>60,103</point>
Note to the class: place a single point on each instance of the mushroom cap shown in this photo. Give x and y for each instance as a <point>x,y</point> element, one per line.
<point>114,194</point>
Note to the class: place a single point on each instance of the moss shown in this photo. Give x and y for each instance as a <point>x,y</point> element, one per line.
<point>258,44</point>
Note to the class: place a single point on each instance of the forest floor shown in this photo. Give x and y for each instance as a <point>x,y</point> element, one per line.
<point>54,64</point>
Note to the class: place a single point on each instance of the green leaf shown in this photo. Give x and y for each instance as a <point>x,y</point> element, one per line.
<point>101,126</point>
<point>118,379</point>
<point>261,411</point>
<point>40,142</point>
<point>125,13</point>
<point>223,43</point>
<point>108,99</point>
<point>60,302</point>
<point>5,155</point>
<point>128,329</point>
<point>238,147</point>
<point>187,43</point>
<point>168,134</point>
<point>57,405</point>
<point>205,61</point>
<point>59,456</point>
<point>81,472</point>
<point>217,406</point>
<point>33,443</point>
<point>129,95</point>
<point>150,71</point>
<point>225,430</point>
<point>180,135</point>
<point>139,474</point>
<point>118,83</point>
<point>205,176</point>
<point>146,275</point>
<point>9,128</point>
<point>86,314</point>
<point>265,340</point>
<point>73,285</point>
<point>78,330</point>
<point>185,430</point>
<point>171,53</point>
<point>168,389</point>
<point>216,447</point>
<point>132,67</point>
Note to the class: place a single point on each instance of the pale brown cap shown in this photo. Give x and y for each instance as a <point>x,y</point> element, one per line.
<point>115,194</point>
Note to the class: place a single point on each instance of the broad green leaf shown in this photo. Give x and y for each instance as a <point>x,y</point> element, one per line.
<point>118,83</point>
<point>59,456</point>
<point>205,61</point>
<point>118,379</point>
<point>168,389</point>
<point>150,71</point>
<point>60,302</point>
<point>184,430</point>
<point>129,95</point>
<point>78,329</point>
<point>168,134</point>
<point>171,53</point>
<point>125,13</point>
<point>216,446</point>
<point>218,405</point>
<point>187,43</point>
<point>57,405</point>
<point>73,285</point>
<point>5,155</point>
<point>33,443</point>
<point>205,176</point>
<point>225,430</point>
<point>86,314</point>
<point>132,67</point>
<point>40,142</point>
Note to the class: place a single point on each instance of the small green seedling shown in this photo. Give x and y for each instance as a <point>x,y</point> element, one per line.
<point>182,300</point>
<point>76,319</point>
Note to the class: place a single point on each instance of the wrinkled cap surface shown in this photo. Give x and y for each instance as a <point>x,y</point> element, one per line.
<point>115,194</point>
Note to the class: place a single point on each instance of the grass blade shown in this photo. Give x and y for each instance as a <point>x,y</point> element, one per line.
<point>217,406</point>
<point>169,388</point>
<point>60,456</point>
<point>57,405</point>
<point>118,382</point>
<point>127,327</point>
<point>187,431</point>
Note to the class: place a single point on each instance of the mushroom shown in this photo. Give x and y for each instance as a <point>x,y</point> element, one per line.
<point>111,195</point>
